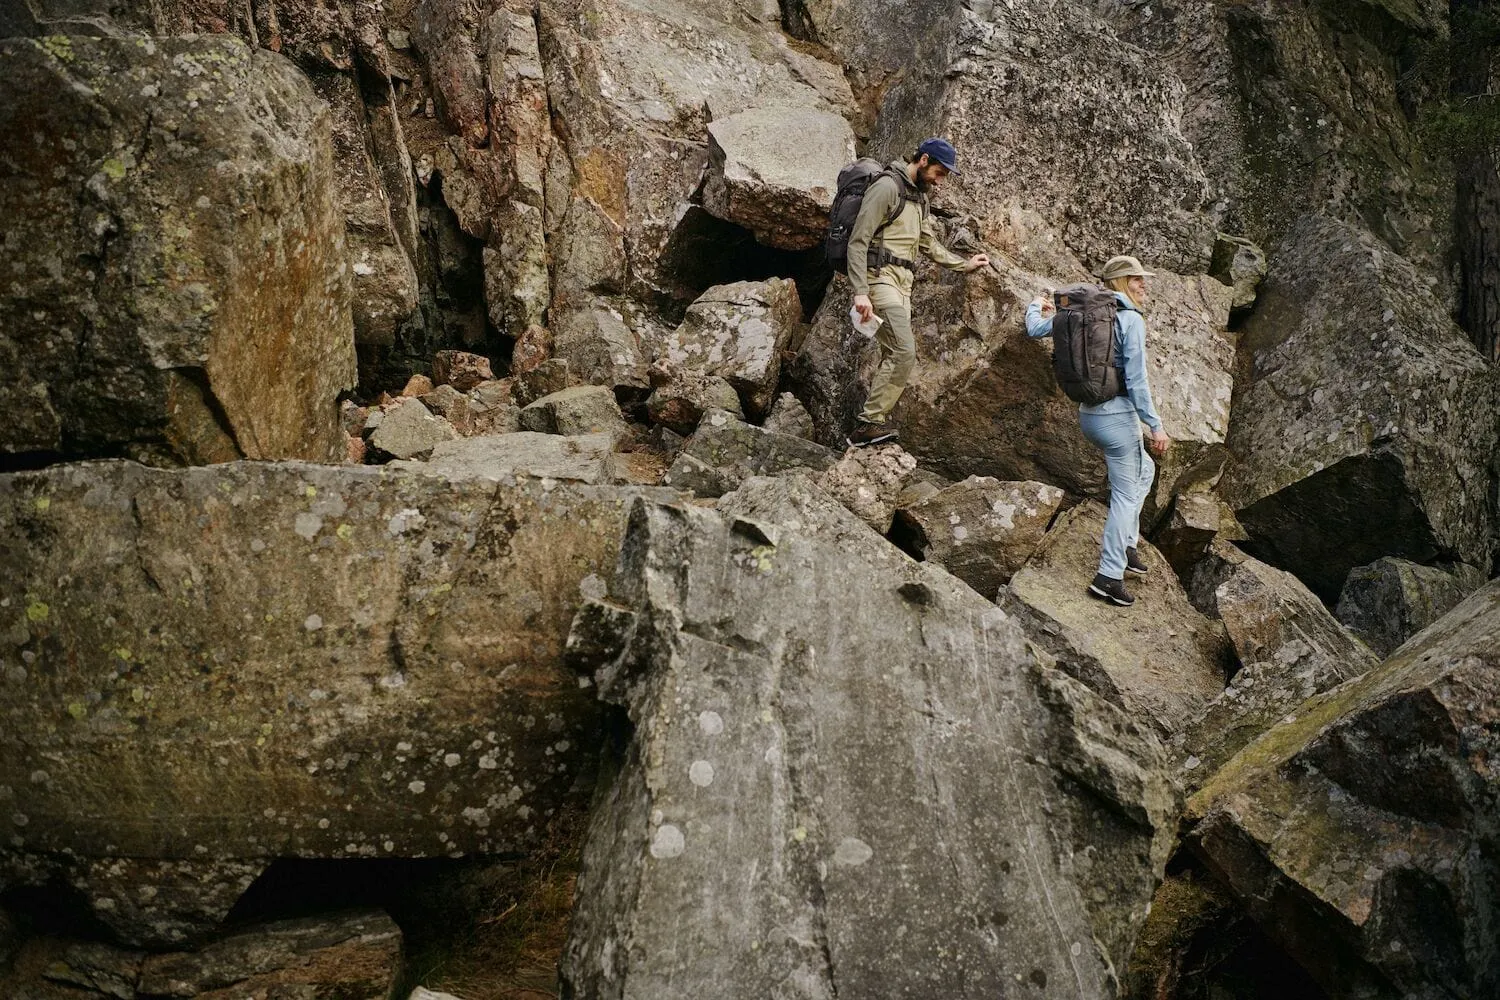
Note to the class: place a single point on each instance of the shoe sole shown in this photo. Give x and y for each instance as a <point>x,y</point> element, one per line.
<point>875,440</point>
<point>1137,572</point>
<point>1105,595</point>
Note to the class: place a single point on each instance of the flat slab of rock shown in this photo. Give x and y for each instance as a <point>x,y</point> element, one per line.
<point>724,451</point>
<point>581,409</point>
<point>204,669</point>
<point>1391,600</point>
<point>203,171</point>
<point>825,736</point>
<point>1288,643</point>
<point>753,181</point>
<point>739,332</point>
<point>1160,657</point>
<point>981,530</point>
<point>585,458</point>
<point>1369,820</point>
<point>1364,405</point>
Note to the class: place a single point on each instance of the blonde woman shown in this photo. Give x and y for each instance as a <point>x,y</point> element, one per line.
<point>1114,427</point>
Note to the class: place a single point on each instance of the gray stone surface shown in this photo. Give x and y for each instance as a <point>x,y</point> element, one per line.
<point>1391,600</point>
<point>581,409</point>
<point>584,458</point>
<point>981,530</point>
<point>1189,528</point>
<point>599,346</point>
<point>408,429</point>
<point>1363,406</point>
<point>250,661</point>
<point>679,397</point>
<point>1369,822</point>
<point>1241,265</point>
<point>1289,646</point>
<point>724,451</point>
<point>1160,658</point>
<point>177,282</point>
<point>739,332</point>
<point>868,481</point>
<point>774,171</point>
<point>853,791</point>
<point>789,416</point>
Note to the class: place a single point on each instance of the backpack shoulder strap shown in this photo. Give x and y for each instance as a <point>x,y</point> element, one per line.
<point>901,196</point>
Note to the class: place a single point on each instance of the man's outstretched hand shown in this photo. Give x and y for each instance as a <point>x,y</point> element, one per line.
<point>862,304</point>
<point>979,260</point>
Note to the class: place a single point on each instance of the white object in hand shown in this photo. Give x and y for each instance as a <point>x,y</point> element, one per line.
<point>866,327</point>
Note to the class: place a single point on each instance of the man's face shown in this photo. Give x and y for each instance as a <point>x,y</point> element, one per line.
<point>931,175</point>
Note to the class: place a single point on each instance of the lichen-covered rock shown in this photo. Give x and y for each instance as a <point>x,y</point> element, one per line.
<point>981,530</point>
<point>1362,836</point>
<point>1364,407</point>
<point>177,282</point>
<point>1289,646</point>
<point>1159,658</point>
<point>1391,600</point>
<point>724,451</point>
<point>789,416</point>
<point>679,397</point>
<point>827,739</point>
<point>868,481</point>
<point>250,661</point>
<point>774,171</point>
<point>600,347</point>
<point>410,430</point>
<point>582,458</point>
<point>582,409</point>
<point>739,332</point>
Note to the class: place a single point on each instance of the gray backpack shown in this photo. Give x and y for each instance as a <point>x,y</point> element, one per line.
<point>1083,343</point>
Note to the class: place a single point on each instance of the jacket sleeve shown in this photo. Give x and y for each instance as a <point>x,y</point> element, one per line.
<point>1133,349</point>
<point>1036,326</point>
<point>880,198</point>
<point>940,254</point>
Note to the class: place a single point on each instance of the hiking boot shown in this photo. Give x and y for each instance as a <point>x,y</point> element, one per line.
<point>1134,564</point>
<point>867,434</point>
<point>1112,591</point>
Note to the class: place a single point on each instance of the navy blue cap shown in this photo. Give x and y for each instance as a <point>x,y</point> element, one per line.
<point>940,151</point>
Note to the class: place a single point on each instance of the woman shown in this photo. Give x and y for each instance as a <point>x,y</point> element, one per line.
<point>1114,427</point>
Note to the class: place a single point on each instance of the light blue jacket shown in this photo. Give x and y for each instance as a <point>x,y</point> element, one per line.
<point>1130,353</point>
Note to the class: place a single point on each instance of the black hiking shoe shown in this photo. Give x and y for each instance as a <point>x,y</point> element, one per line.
<point>1111,590</point>
<point>868,434</point>
<point>1134,564</point>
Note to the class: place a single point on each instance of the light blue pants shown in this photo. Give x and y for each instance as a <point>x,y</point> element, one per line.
<point>1131,473</point>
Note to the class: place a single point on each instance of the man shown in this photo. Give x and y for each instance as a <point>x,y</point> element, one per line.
<point>881,260</point>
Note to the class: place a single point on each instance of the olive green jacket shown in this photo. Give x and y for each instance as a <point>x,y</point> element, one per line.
<point>912,231</point>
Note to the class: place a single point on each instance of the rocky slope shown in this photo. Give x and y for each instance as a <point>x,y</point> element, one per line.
<point>433,558</point>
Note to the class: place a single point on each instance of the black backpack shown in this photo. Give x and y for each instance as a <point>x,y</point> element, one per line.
<point>854,181</point>
<point>1083,343</point>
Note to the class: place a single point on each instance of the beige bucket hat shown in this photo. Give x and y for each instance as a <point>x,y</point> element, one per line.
<point>1124,267</point>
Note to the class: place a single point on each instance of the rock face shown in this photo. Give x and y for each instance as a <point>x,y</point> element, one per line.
<point>1160,659</point>
<point>738,332</point>
<point>1372,818</point>
<point>1363,406</point>
<point>1289,646</point>
<point>797,774</point>
<point>177,282</point>
<point>250,661</point>
<point>774,171</point>
<point>1391,600</point>
<point>981,530</point>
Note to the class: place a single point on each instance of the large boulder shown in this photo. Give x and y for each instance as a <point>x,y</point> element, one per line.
<point>1364,407</point>
<point>1289,646</point>
<point>1391,600</point>
<point>869,481</point>
<point>1160,658</point>
<point>739,332</point>
<point>773,171</point>
<point>724,451</point>
<point>581,409</point>
<point>410,429</point>
<point>221,666</point>
<point>1362,837</point>
<point>177,280</point>
<point>874,789</point>
<point>679,398</point>
<point>981,530</point>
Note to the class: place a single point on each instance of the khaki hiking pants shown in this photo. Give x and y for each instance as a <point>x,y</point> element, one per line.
<point>898,352</point>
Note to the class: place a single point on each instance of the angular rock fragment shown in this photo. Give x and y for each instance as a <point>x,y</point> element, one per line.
<point>739,332</point>
<point>868,481</point>
<point>824,736</point>
<point>1361,835</point>
<point>789,416</point>
<point>585,458</point>
<point>582,409</point>
<point>410,430</point>
<point>1365,406</point>
<point>599,347</point>
<point>1191,526</point>
<point>1289,646</point>
<point>724,451</point>
<point>549,376</point>
<point>1391,600</point>
<point>1239,264</point>
<point>460,369</point>
<point>981,530</point>
<point>773,171</point>
<point>453,406</point>
<point>177,282</point>
<point>679,398</point>
<point>1160,657</point>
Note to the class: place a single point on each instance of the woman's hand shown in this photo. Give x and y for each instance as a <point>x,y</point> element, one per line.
<point>1044,302</point>
<point>1159,443</point>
